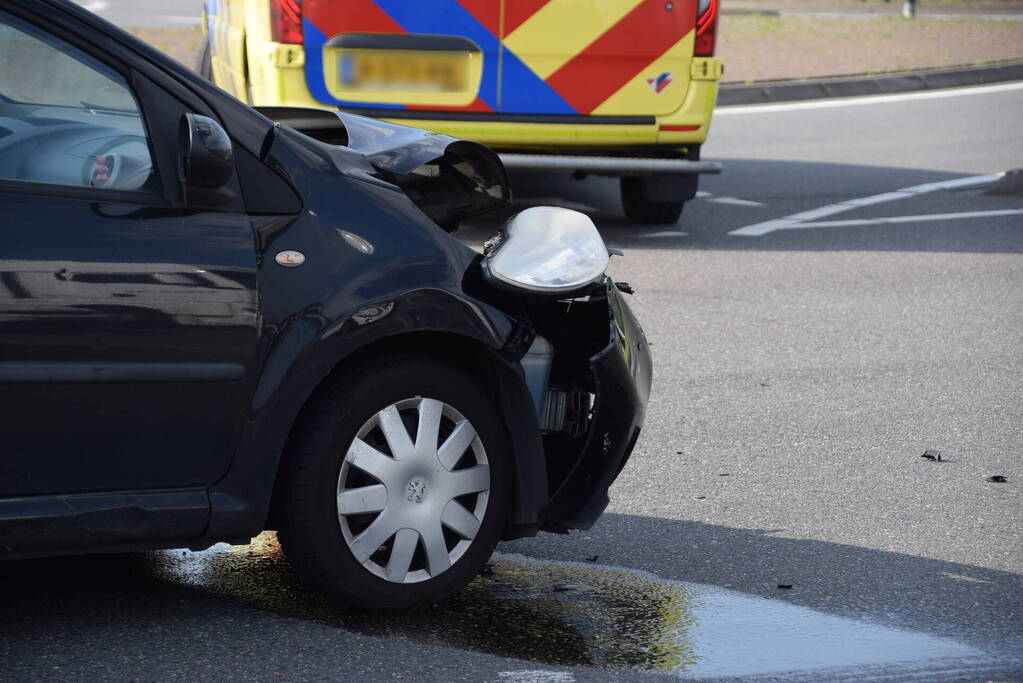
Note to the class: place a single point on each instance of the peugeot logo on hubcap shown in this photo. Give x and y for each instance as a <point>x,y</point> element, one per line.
<point>416,490</point>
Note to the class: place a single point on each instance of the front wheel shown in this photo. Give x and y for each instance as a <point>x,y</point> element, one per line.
<point>640,208</point>
<point>395,488</point>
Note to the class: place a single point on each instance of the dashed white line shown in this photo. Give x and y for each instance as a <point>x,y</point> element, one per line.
<point>799,220</point>
<point>735,201</point>
<point>536,676</point>
<point>665,233</point>
<point>909,219</point>
<point>868,100</point>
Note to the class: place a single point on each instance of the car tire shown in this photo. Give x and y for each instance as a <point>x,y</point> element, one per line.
<point>204,65</point>
<point>641,210</point>
<point>375,531</point>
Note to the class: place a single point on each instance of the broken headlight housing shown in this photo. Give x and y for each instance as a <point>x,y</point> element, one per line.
<point>546,249</point>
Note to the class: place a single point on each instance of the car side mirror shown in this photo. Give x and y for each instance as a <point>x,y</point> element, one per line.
<point>205,160</point>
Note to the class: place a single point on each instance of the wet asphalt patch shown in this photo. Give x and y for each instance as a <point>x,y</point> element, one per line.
<point>585,614</point>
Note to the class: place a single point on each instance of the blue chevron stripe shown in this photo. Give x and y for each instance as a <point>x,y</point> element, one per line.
<point>521,89</point>
<point>314,40</point>
<point>447,17</point>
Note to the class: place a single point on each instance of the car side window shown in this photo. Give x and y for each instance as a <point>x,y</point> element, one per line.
<point>65,118</point>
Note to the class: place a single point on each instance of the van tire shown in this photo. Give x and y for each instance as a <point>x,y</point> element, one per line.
<point>641,210</point>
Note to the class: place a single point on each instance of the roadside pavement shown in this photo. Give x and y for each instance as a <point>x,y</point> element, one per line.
<point>789,50</point>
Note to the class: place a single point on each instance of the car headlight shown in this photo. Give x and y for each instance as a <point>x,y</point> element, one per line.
<point>547,249</point>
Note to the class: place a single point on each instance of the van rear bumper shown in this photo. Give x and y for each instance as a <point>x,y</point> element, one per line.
<point>688,125</point>
<point>275,84</point>
<point>613,166</point>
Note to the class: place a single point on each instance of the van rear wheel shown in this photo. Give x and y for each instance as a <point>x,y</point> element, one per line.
<point>640,209</point>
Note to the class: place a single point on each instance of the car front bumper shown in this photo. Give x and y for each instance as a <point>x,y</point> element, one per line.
<point>620,375</point>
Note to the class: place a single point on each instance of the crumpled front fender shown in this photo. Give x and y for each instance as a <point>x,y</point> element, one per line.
<point>449,179</point>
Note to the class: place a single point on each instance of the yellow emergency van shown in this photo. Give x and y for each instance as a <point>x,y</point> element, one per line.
<point>623,88</point>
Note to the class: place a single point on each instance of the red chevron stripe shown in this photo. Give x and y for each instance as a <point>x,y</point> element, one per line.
<point>517,11</point>
<point>609,62</point>
<point>360,16</point>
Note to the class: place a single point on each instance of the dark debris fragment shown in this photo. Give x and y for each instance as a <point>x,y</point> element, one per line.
<point>932,455</point>
<point>594,558</point>
<point>998,479</point>
<point>785,586</point>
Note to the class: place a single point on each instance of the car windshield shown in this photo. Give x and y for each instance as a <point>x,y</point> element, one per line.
<point>36,72</point>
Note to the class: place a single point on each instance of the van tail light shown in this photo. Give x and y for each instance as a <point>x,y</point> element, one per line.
<point>706,27</point>
<point>286,21</point>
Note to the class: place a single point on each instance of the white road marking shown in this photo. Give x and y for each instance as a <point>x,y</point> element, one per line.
<point>868,100</point>
<point>665,233</point>
<point>797,220</point>
<point>908,219</point>
<point>536,676</point>
<point>734,201</point>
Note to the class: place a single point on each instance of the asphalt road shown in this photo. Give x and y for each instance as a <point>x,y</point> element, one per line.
<point>816,365</point>
<point>801,371</point>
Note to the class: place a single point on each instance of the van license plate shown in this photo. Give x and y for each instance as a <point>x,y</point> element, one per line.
<point>380,70</point>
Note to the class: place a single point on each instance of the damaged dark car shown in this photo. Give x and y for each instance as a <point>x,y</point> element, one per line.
<point>216,320</point>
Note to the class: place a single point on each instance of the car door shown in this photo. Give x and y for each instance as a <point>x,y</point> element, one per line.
<point>128,321</point>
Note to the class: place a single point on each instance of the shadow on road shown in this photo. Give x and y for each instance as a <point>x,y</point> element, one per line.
<point>888,587</point>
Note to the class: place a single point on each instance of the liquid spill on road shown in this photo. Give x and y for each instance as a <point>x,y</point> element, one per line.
<point>580,614</point>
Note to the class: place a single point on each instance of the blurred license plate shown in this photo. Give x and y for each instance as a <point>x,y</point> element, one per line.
<point>409,71</point>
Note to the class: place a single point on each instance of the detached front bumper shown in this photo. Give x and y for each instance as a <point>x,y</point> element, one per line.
<point>620,376</point>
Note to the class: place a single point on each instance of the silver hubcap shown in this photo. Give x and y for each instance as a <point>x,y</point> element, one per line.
<point>409,509</point>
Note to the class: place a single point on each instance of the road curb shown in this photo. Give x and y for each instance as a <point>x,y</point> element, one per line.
<point>741,11</point>
<point>908,81</point>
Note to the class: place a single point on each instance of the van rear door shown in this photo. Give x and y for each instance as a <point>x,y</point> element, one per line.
<point>600,57</point>
<point>540,57</point>
<point>398,54</point>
